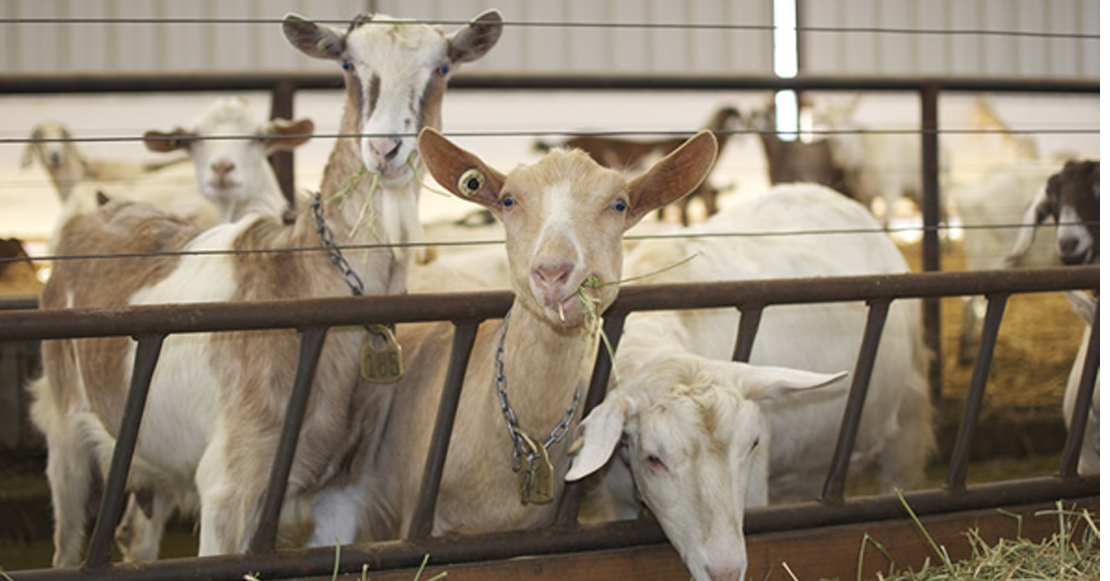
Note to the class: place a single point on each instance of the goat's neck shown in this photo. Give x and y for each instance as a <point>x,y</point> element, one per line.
<point>537,352</point>
<point>359,210</point>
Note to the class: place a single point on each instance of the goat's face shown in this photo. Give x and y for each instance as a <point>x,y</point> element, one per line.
<point>396,74</point>
<point>50,140</point>
<point>229,147</point>
<point>564,217</point>
<point>697,446</point>
<point>1072,198</point>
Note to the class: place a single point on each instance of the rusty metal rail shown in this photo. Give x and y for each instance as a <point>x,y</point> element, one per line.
<point>151,324</point>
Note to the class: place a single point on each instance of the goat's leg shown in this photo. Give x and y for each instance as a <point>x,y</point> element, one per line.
<point>907,452</point>
<point>70,476</point>
<point>139,534</point>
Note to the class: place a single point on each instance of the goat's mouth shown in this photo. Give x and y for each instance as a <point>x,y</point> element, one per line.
<point>1088,256</point>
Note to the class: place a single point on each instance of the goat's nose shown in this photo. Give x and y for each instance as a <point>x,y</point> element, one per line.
<point>1067,245</point>
<point>223,168</point>
<point>726,574</point>
<point>55,159</point>
<point>551,278</point>
<point>386,148</point>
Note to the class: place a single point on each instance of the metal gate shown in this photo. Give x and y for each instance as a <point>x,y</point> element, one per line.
<point>150,325</point>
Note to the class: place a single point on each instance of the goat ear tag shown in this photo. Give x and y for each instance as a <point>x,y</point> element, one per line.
<point>381,365</point>
<point>471,182</point>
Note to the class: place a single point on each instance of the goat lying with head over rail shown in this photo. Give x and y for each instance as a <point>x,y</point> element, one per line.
<point>705,437</point>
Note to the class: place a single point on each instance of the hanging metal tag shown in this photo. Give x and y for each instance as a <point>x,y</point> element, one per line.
<point>384,365</point>
<point>537,475</point>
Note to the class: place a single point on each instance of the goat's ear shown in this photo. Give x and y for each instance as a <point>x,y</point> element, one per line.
<point>769,383</point>
<point>672,177</point>
<point>1039,209</point>
<point>598,435</point>
<point>165,142</point>
<point>460,171</point>
<point>473,41</point>
<point>314,40</point>
<point>287,135</point>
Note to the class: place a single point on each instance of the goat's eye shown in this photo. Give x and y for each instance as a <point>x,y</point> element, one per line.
<point>754,444</point>
<point>443,69</point>
<point>655,462</point>
<point>619,205</point>
<point>347,65</point>
<point>508,201</point>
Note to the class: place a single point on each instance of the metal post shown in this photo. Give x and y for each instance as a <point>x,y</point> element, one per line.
<point>1083,397</point>
<point>281,105</point>
<point>930,217</point>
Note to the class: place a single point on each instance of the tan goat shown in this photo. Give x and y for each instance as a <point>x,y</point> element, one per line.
<point>564,218</point>
<point>214,411</point>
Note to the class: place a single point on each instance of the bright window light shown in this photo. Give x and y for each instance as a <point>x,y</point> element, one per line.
<point>786,115</point>
<point>785,43</point>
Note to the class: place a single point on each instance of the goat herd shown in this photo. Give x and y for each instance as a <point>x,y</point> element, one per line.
<point>684,430</point>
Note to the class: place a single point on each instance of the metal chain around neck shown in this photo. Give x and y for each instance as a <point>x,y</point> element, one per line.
<point>557,433</point>
<point>334,252</point>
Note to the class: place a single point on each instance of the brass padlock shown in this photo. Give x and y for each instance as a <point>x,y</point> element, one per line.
<point>384,365</point>
<point>537,468</point>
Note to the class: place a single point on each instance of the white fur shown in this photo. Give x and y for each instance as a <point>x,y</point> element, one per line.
<point>663,354</point>
<point>1086,307</point>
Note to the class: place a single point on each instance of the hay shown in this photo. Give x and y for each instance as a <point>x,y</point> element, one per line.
<point>1071,554</point>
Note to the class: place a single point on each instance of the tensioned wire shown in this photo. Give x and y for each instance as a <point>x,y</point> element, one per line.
<point>492,242</point>
<point>574,24</point>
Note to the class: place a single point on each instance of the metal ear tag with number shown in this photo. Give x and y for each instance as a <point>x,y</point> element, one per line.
<point>384,365</point>
<point>537,468</point>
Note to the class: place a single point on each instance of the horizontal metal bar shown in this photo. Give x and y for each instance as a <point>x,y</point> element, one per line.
<point>31,83</point>
<point>615,535</point>
<point>342,311</point>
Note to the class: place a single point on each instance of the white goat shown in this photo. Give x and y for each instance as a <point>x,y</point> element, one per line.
<point>53,146</point>
<point>697,447</point>
<point>1086,307</point>
<point>564,217</point>
<point>195,440</point>
<point>234,173</point>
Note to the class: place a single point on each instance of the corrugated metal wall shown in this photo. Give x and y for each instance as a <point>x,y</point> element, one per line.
<point>745,49</point>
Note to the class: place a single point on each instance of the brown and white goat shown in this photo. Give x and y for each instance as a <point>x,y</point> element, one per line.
<point>564,217</point>
<point>214,411</point>
<point>1071,198</point>
<point>635,155</point>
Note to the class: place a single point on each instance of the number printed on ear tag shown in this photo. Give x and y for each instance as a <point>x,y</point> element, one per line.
<point>383,365</point>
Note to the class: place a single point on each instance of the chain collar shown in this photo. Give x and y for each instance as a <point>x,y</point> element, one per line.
<point>334,252</point>
<point>525,457</point>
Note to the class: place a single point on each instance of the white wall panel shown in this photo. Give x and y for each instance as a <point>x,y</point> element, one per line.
<point>959,53</point>
<point>60,47</point>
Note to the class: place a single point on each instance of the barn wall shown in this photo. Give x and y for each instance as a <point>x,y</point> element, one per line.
<point>741,44</point>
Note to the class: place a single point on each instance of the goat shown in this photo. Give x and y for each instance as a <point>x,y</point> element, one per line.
<point>233,173</point>
<point>633,156</point>
<point>564,217</point>
<point>195,441</point>
<point>52,144</point>
<point>797,161</point>
<point>1071,197</point>
<point>697,447</point>
<point>1086,306</point>
<point>990,208</point>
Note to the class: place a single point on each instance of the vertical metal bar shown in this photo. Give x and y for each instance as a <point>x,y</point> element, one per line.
<point>424,514</point>
<point>265,535</point>
<point>833,492</point>
<point>957,469</point>
<point>111,505</point>
<point>745,333</point>
<point>1083,397</point>
<point>930,217</point>
<point>613,328</point>
<point>281,105</point>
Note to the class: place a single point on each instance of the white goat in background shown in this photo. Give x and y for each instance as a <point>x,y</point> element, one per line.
<point>53,145</point>
<point>1086,307</point>
<point>234,174</point>
<point>697,448</point>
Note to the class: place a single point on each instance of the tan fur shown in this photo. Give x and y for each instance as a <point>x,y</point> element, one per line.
<point>546,356</point>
